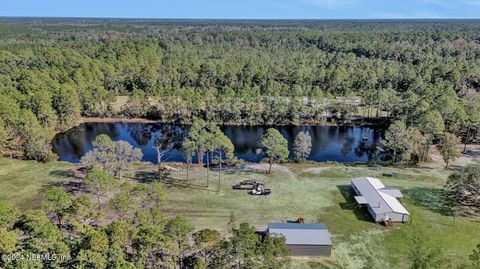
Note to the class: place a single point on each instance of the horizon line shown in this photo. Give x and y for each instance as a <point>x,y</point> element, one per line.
<point>237,19</point>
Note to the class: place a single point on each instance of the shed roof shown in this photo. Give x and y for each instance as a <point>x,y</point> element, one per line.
<point>301,234</point>
<point>392,192</point>
<point>361,200</point>
<point>380,199</point>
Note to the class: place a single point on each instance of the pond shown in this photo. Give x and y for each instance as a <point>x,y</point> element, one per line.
<point>329,143</point>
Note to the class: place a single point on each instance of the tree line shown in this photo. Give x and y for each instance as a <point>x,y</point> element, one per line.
<point>70,232</point>
<point>51,74</point>
<point>118,223</point>
<point>115,222</point>
<point>204,140</point>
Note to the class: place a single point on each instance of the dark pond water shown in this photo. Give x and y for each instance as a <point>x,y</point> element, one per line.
<point>330,143</point>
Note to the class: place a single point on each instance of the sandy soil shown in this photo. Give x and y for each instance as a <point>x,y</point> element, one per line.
<point>315,170</point>
<point>136,120</point>
<point>471,156</point>
<point>264,167</point>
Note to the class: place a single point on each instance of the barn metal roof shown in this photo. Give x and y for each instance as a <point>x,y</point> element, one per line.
<point>380,199</point>
<point>361,200</point>
<point>301,234</point>
<point>392,192</point>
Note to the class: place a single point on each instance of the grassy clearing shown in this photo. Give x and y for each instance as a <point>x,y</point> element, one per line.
<point>322,194</point>
<point>431,220</point>
<point>319,193</point>
<point>22,182</point>
<point>291,198</point>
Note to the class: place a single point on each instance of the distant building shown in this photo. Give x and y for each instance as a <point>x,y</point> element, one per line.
<point>352,101</point>
<point>303,239</point>
<point>382,202</point>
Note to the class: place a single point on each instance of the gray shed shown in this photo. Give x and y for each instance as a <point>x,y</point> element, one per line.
<point>382,202</point>
<point>304,239</point>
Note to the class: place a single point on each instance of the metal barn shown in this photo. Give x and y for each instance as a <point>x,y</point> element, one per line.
<point>382,202</point>
<point>304,239</point>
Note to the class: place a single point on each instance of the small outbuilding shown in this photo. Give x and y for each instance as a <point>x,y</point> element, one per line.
<point>304,239</point>
<point>382,202</point>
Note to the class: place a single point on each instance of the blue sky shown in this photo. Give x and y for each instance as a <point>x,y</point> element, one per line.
<point>245,9</point>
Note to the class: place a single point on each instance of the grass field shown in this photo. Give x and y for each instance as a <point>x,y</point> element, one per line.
<point>22,182</point>
<point>315,192</point>
<point>322,194</point>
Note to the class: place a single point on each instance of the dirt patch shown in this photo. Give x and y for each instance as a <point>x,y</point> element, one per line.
<point>315,170</point>
<point>471,156</point>
<point>264,167</point>
<point>134,120</point>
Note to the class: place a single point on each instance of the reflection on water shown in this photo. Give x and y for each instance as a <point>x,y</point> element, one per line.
<point>330,143</point>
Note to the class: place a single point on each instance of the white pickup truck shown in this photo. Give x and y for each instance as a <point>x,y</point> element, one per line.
<point>259,190</point>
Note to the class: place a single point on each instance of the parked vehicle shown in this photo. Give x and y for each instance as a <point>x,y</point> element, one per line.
<point>257,188</point>
<point>248,184</point>
<point>260,190</point>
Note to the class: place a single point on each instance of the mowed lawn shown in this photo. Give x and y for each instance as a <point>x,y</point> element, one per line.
<point>318,193</point>
<point>22,182</point>
<point>322,194</point>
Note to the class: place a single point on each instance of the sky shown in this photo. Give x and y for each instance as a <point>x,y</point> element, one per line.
<point>245,9</point>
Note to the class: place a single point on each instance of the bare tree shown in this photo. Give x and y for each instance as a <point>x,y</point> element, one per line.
<point>124,156</point>
<point>464,186</point>
<point>302,145</point>
<point>189,148</point>
<point>161,148</point>
<point>164,141</point>
<point>114,157</point>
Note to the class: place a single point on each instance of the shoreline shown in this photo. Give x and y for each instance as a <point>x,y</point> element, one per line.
<point>354,123</point>
<point>113,120</point>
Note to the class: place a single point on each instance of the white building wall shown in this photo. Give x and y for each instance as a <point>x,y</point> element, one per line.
<point>395,217</point>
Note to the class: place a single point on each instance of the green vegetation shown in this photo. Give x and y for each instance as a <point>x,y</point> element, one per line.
<point>464,186</point>
<point>449,148</point>
<point>404,144</point>
<point>130,233</point>
<point>319,194</point>
<point>99,183</point>
<point>274,146</point>
<point>114,157</point>
<point>205,139</point>
<point>302,146</point>
<point>23,181</point>
<point>52,72</point>
<point>422,76</point>
<point>475,257</point>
